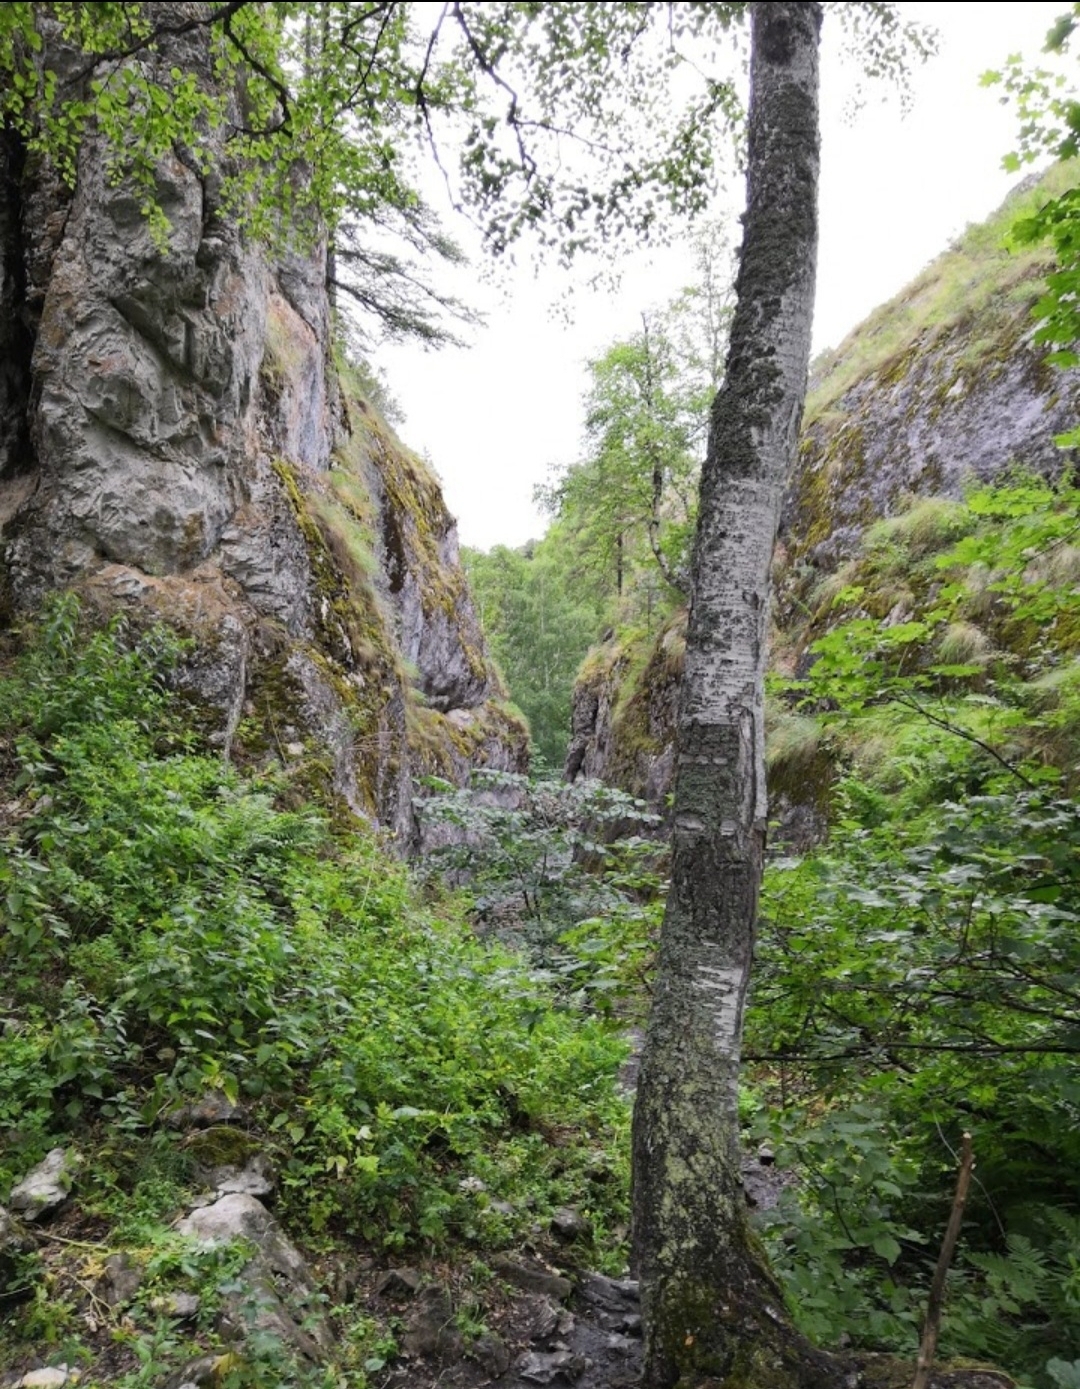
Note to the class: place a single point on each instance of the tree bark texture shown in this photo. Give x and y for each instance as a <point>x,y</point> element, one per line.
<point>713,1313</point>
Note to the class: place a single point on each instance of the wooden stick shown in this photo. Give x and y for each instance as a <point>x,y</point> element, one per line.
<point>928,1346</point>
<point>75,1243</point>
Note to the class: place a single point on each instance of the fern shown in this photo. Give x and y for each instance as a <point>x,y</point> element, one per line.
<point>1021,1305</point>
<point>1017,1278</point>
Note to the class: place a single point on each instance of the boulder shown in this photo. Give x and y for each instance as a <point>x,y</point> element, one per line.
<point>398,1282</point>
<point>531,1278</point>
<point>121,1280</point>
<point>277,1296</point>
<point>568,1225</point>
<point>562,1365</point>
<point>46,1186</point>
<point>430,1330</point>
<point>48,1377</point>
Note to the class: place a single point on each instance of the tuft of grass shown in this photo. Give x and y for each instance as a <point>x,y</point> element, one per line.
<point>964,644</point>
<point>923,529</point>
<point>792,742</point>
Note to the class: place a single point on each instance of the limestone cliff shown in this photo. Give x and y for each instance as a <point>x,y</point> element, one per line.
<point>176,441</point>
<point>941,386</point>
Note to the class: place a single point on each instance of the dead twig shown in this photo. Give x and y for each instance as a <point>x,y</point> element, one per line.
<point>928,1346</point>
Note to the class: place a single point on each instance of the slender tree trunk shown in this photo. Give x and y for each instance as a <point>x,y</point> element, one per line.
<point>713,1313</point>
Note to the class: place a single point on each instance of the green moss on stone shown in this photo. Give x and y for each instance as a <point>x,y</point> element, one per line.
<point>221,1146</point>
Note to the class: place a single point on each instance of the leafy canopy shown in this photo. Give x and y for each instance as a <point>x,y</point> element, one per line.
<point>1047,103</point>
<point>574,123</point>
<point>349,93</point>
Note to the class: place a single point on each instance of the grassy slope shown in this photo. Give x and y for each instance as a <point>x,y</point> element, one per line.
<point>169,930</point>
<point>979,278</point>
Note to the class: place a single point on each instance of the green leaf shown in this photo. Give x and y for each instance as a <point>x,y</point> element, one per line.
<point>887,1247</point>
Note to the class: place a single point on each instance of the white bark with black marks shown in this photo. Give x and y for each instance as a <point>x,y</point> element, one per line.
<point>712,1310</point>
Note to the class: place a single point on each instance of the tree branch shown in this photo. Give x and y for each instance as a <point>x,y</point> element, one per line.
<point>928,1346</point>
<point>908,701</point>
<point>221,15</point>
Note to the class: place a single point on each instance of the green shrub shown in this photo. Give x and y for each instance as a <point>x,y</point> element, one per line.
<point>170,929</point>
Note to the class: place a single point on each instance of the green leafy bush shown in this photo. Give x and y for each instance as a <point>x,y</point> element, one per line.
<point>915,980</point>
<point>169,930</point>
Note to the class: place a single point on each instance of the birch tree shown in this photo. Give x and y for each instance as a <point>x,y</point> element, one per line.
<point>712,1312</point>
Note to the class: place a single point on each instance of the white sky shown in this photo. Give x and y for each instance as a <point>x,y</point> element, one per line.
<point>895,191</point>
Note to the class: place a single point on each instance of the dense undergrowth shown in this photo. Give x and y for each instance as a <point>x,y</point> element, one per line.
<point>169,931</point>
<point>919,973</point>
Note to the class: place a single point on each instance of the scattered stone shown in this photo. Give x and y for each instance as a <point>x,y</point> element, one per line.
<point>213,1108</point>
<point>567,1322</point>
<point>611,1294</point>
<point>398,1282</point>
<point>622,1345</point>
<point>763,1182</point>
<point>632,1324</point>
<point>346,1286</point>
<point>430,1329</point>
<point>255,1178</point>
<point>492,1354</point>
<point>471,1185</point>
<point>501,1208</point>
<point>49,1377</point>
<point>532,1280</point>
<point>121,1280</point>
<point>47,1186</point>
<point>196,1373</point>
<point>277,1295</point>
<point>568,1225</point>
<point>230,1161</point>
<point>294,749</point>
<point>540,1317</point>
<point>544,1369</point>
<point>180,1306</point>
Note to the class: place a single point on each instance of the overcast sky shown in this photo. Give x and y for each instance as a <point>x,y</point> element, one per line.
<point>895,190</point>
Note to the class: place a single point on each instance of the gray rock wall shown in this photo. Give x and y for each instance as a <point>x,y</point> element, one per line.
<point>175,442</point>
<point>957,405</point>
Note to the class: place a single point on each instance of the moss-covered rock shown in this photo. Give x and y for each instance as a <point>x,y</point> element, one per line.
<point>941,386</point>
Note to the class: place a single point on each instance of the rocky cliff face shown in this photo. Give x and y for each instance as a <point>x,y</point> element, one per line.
<point>624,712</point>
<point>941,387</point>
<point>176,442</point>
<point>938,388</point>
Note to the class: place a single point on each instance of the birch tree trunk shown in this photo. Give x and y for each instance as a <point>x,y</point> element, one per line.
<point>712,1311</point>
